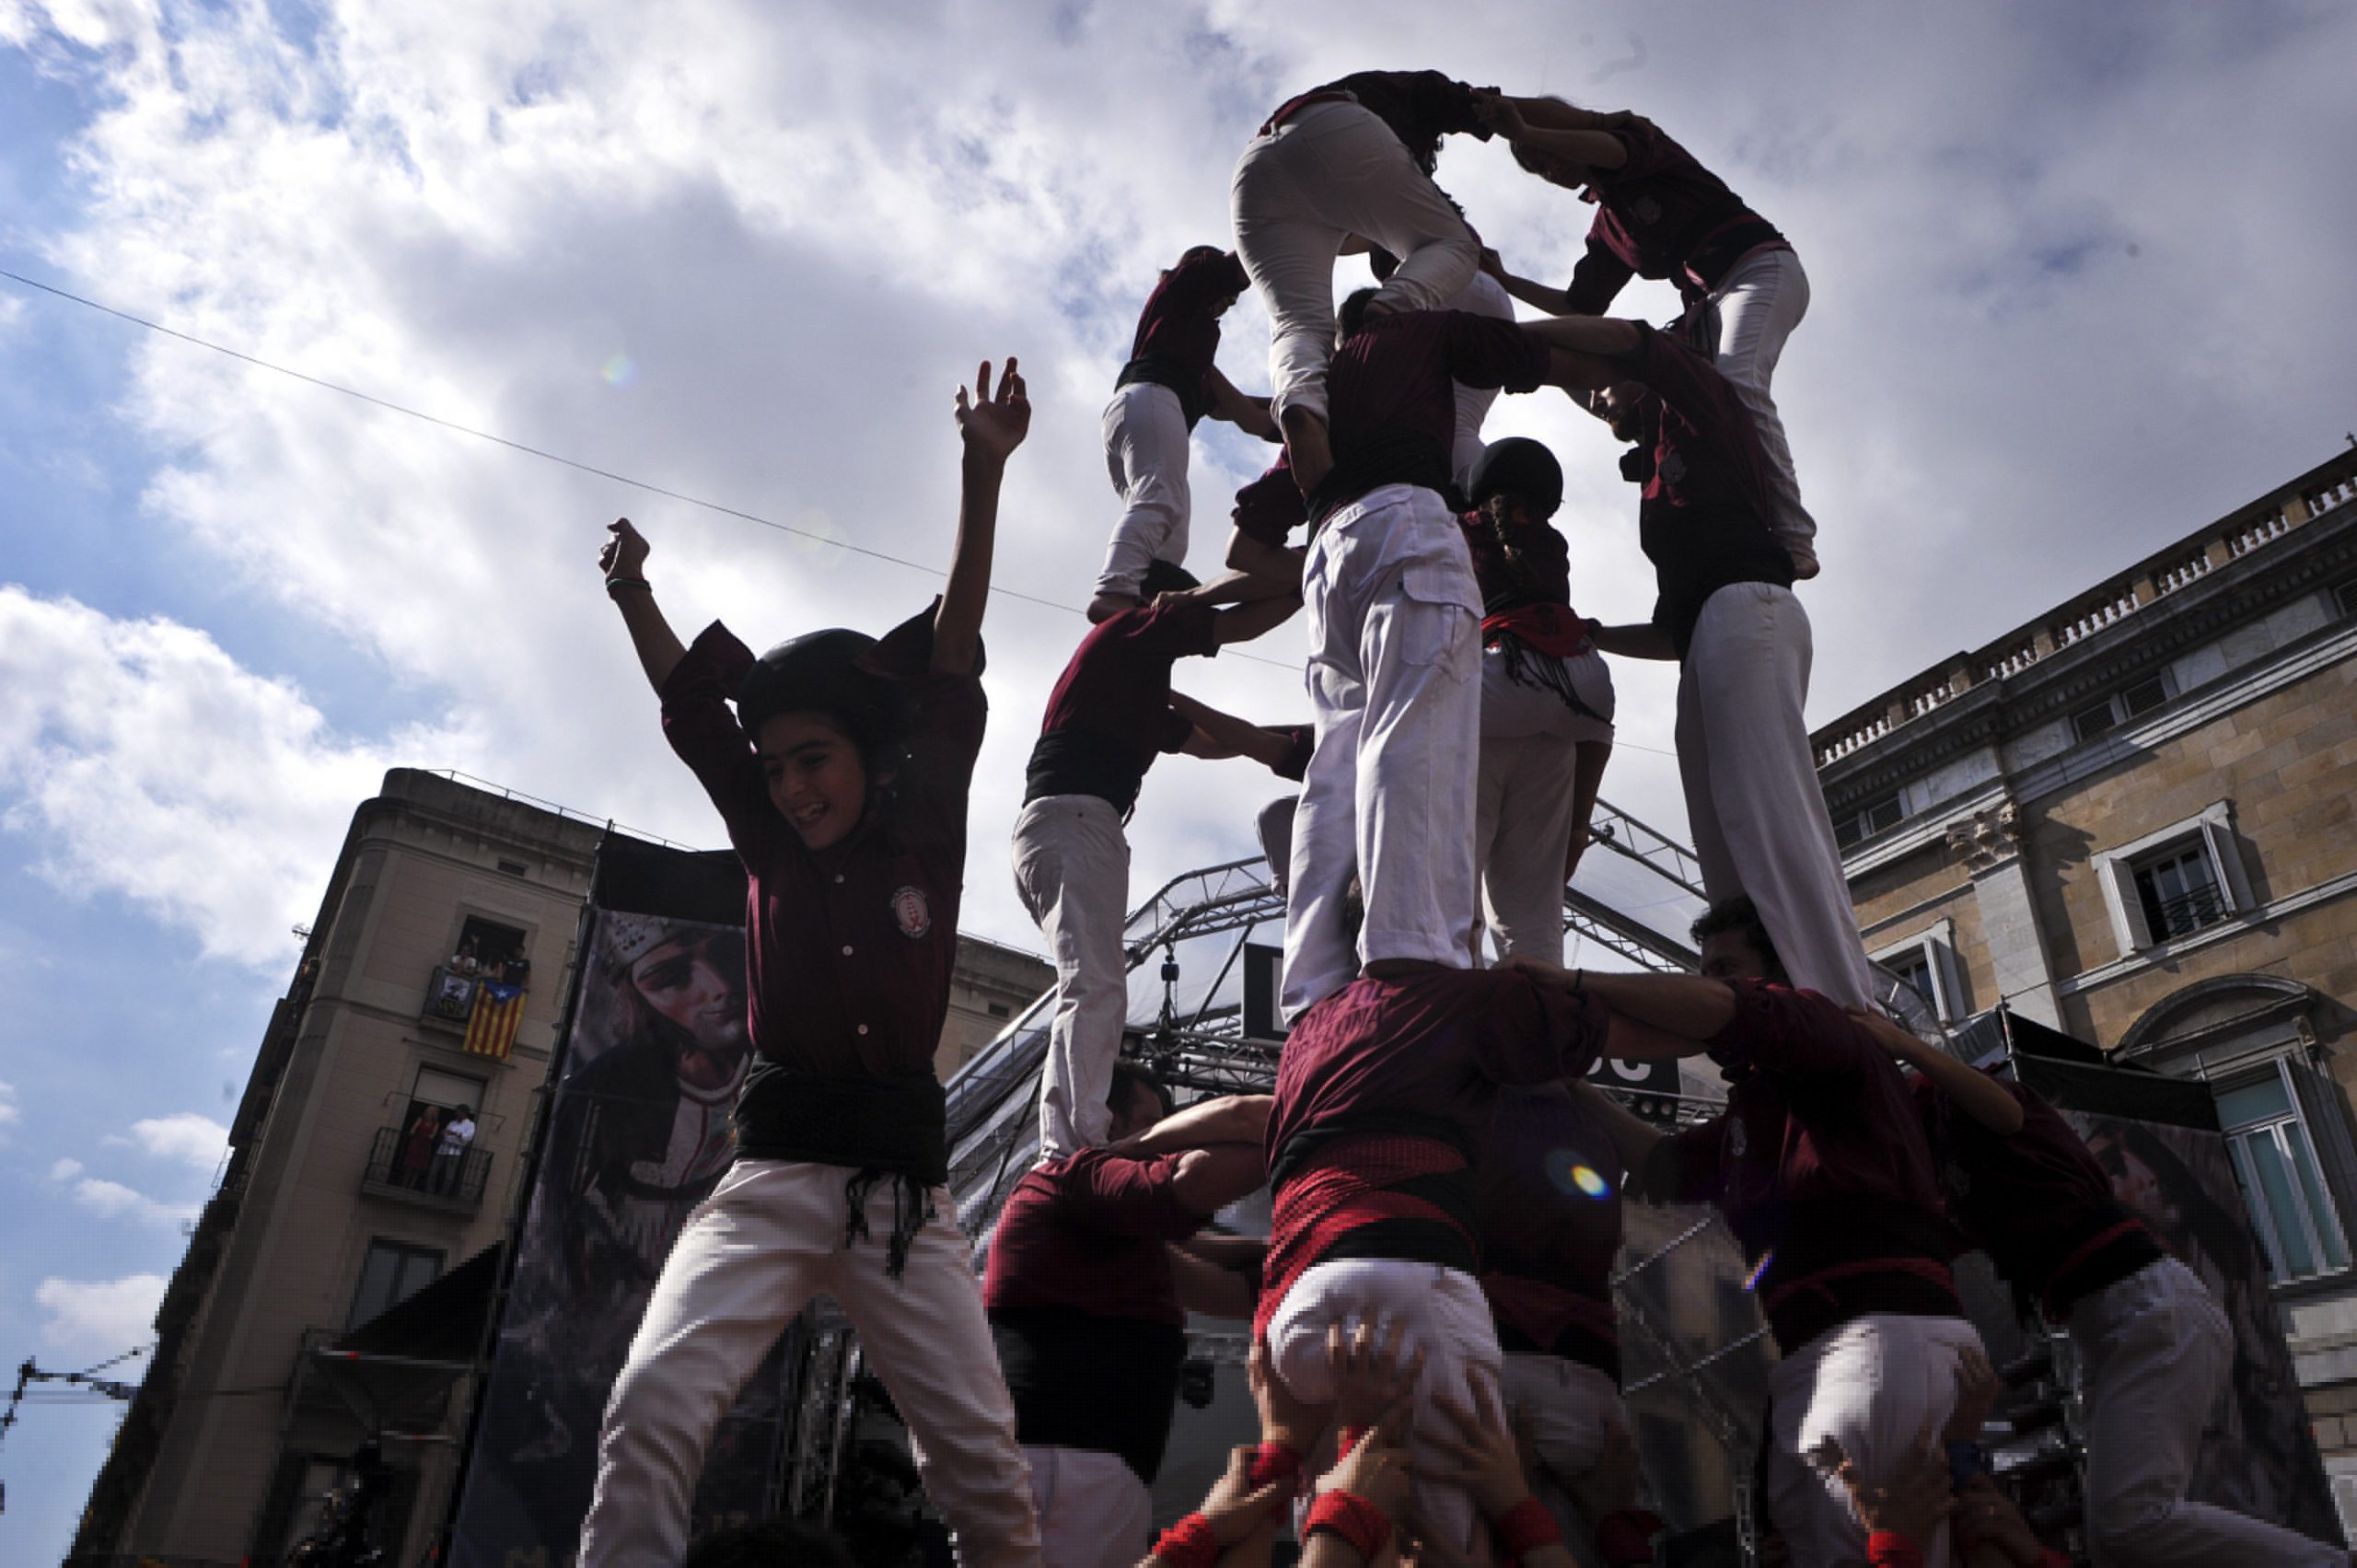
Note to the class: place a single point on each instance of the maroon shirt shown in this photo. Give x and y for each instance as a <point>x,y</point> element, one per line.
<point>1178,336</point>
<point>1384,1090</point>
<point>1087,1232</point>
<point>1270,507</point>
<point>1110,715</point>
<point>1819,1163</point>
<point>1550,1226</point>
<point>2038,1203</point>
<point>1661,215</point>
<point>1083,1308</point>
<point>1391,396</point>
<point>1703,519</point>
<point>849,950</point>
<point>1421,107</point>
<point>1538,570</point>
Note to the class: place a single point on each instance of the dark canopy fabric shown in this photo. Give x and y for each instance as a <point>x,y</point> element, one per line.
<point>443,1322</point>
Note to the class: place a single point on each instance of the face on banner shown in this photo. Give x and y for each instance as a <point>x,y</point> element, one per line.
<point>639,1134</point>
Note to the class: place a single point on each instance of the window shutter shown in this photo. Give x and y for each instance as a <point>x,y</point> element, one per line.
<point>2331,1132</point>
<point>2225,859</point>
<point>2127,905</point>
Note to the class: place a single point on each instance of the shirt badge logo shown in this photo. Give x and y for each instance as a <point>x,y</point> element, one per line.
<point>1737,1141</point>
<point>912,911</point>
<point>1672,469</point>
<point>1646,209</point>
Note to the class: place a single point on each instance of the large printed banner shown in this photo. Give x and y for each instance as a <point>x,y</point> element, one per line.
<point>2158,1138</point>
<point>638,1134</point>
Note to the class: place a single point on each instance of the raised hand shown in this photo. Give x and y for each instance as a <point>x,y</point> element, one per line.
<point>1372,1380</point>
<point>1976,1388</point>
<point>1376,1470</point>
<point>1284,1418</point>
<point>1478,1446</point>
<point>994,424</point>
<point>624,554</point>
<point>1235,1507</point>
<point>1498,115</point>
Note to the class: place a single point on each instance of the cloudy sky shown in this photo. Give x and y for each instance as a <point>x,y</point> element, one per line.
<point>2067,307</point>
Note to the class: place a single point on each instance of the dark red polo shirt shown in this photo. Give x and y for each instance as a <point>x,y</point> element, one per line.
<point>1819,1163</point>
<point>1421,107</point>
<point>1178,336</point>
<point>2038,1203</point>
<point>1661,215</point>
<point>1550,1226</point>
<point>1270,507</point>
<point>1082,1305</point>
<point>1391,396</point>
<point>1703,516</point>
<point>1384,1091</point>
<point>1528,563</point>
<point>1110,715</point>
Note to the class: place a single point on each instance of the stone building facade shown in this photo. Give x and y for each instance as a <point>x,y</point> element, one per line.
<point>324,1220</point>
<point>2131,819</point>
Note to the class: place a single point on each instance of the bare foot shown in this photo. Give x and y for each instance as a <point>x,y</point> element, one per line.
<point>1804,564</point>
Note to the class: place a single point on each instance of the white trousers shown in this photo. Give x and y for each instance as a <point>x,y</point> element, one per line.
<point>1751,794</point>
<point>1439,1310</point>
<point>753,1254</point>
<point>1145,451</point>
<point>1072,871</point>
<point>1870,1386</point>
<point>1394,642</point>
<point>1485,296</point>
<point>1333,170</point>
<point>1094,1511</point>
<point>2155,1351</point>
<point>1572,1408</point>
<point>1521,812</point>
<point>1758,304</point>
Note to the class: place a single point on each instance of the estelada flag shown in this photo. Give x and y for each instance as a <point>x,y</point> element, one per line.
<point>498,1012</point>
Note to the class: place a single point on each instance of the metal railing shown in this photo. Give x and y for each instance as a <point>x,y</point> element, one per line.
<point>2189,911</point>
<point>451,1181</point>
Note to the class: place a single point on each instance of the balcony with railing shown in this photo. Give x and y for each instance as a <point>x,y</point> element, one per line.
<point>403,1168</point>
<point>2326,489</point>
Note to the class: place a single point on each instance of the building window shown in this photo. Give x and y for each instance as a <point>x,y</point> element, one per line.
<point>2178,891</point>
<point>2176,883</point>
<point>514,867</point>
<point>1867,818</point>
<point>2101,718</point>
<point>2344,598</point>
<point>1926,962</point>
<point>393,1273</point>
<point>998,1009</point>
<point>2277,1163</point>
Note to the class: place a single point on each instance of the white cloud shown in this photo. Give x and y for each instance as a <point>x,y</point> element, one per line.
<point>139,758</point>
<point>66,1170</point>
<point>2032,340</point>
<point>11,1113</point>
<point>99,1317</point>
<point>112,1199</point>
<point>197,1141</point>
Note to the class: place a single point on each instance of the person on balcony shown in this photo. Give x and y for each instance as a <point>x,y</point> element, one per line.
<point>450,1150</point>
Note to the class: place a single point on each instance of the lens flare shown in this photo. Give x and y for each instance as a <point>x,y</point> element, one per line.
<point>620,370</point>
<point>1564,1170</point>
<point>1759,1270</point>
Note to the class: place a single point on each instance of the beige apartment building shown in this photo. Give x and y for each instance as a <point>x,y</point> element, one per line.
<point>334,1209</point>
<point>2131,819</point>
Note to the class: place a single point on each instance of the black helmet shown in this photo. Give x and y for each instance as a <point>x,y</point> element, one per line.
<point>820,672</point>
<point>1519,466</point>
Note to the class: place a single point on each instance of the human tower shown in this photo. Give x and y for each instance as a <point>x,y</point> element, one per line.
<point>1446,1193</point>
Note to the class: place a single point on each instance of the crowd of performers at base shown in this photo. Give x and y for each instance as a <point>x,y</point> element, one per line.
<point>1434,1348</point>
